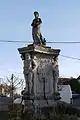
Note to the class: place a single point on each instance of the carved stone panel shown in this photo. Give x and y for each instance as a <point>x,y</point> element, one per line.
<point>44,77</point>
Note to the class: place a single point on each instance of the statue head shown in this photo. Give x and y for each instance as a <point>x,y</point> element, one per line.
<point>36,14</point>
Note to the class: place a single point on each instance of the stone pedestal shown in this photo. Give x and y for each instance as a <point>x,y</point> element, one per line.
<point>41,73</point>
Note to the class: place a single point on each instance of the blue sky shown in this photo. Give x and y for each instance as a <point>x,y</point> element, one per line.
<point>61,22</point>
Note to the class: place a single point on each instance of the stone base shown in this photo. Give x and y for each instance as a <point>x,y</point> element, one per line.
<point>40,72</point>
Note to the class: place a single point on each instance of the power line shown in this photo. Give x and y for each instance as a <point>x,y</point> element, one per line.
<point>15,41</point>
<point>10,71</point>
<point>19,41</point>
<point>70,57</point>
<point>71,42</point>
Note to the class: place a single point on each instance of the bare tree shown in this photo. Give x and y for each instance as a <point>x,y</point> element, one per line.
<point>12,85</point>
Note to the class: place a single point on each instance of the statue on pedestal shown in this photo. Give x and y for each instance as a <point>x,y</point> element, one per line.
<point>36,34</point>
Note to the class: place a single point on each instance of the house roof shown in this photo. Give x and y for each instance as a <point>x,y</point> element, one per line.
<point>63,79</point>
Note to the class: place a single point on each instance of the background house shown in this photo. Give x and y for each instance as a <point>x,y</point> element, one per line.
<point>4,102</point>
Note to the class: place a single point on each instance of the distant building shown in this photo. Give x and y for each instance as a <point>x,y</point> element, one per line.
<point>64,80</point>
<point>4,102</point>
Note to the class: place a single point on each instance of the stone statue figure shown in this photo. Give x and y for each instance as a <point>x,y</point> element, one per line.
<point>55,70</point>
<point>36,34</point>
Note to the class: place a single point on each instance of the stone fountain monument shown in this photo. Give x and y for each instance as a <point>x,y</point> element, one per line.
<point>41,70</point>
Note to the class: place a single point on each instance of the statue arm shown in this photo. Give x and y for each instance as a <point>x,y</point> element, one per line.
<point>32,23</point>
<point>36,22</point>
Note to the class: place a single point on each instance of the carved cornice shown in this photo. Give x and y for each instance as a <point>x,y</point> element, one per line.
<point>39,49</point>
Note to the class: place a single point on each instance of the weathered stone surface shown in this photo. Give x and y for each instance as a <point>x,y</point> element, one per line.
<point>41,72</point>
<point>40,49</point>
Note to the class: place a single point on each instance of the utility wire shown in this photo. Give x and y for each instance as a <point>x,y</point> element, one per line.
<point>9,71</point>
<point>19,41</point>
<point>70,57</point>
<point>71,42</point>
<point>15,41</point>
